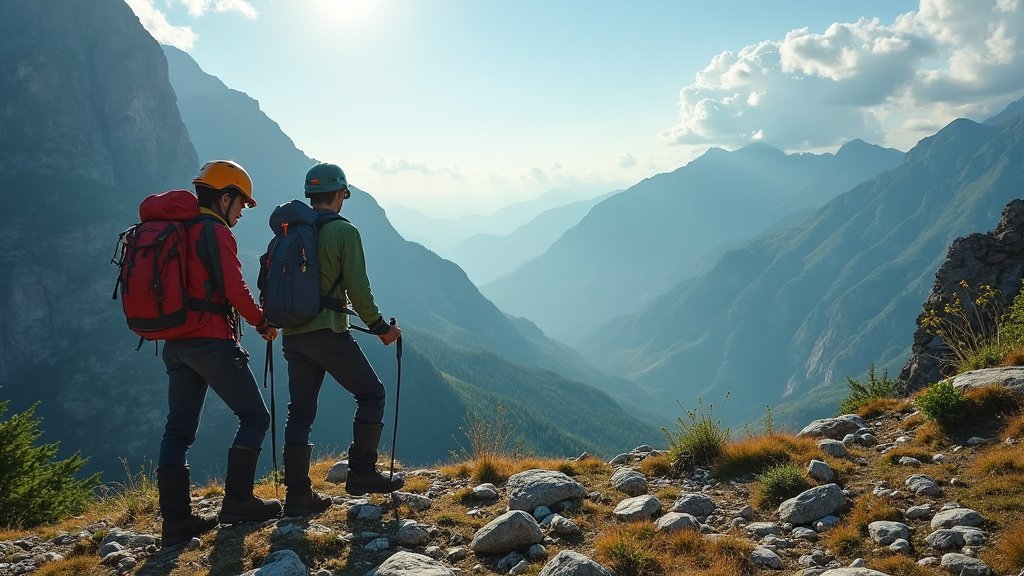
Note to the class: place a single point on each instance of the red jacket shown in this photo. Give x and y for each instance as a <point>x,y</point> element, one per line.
<point>207,324</point>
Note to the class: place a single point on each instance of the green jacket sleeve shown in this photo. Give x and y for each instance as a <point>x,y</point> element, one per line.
<point>355,280</point>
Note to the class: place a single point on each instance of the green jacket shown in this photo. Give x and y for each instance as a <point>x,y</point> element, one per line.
<point>341,251</point>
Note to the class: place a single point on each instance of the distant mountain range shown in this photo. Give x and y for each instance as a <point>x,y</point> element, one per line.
<point>639,243</point>
<point>442,234</point>
<point>485,257</point>
<point>789,315</point>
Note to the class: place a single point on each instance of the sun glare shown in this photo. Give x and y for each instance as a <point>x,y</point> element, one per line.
<point>350,15</point>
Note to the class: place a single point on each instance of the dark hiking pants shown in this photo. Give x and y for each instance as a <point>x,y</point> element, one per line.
<point>310,356</point>
<point>193,366</point>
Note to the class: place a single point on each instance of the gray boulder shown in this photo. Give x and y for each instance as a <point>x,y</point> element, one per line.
<point>280,563</point>
<point>569,563</point>
<point>834,448</point>
<point>957,517</point>
<point>532,488</point>
<point>674,521</point>
<point>629,481</point>
<point>923,485</point>
<point>1011,377</point>
<point>812,504</point>
<point>834,428</point>
<point>820,471</point>
<point>766,557</point>
<point>637,508</point>
<point>513,529</point>
<point>693,503</point>
<point>853,572</point>
<point>885,533</point>
<point>945,539</point>
<point>963,565</point>
<point>410,564</point>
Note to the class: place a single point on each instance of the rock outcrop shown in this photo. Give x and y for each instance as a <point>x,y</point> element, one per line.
<point>84,91</point>
<point>995,259</point>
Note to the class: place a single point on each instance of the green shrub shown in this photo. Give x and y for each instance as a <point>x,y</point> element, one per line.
<point>697,440</point>
<point>34,488</point>
<point>862,393</point>
<point>778,484</point>
<point>943,403</point>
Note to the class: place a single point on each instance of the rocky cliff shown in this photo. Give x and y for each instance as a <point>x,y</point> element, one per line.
<point>995,259</point>
<point>84,91</point>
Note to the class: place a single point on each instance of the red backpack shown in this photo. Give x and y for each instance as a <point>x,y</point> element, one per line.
<point>153,266</point>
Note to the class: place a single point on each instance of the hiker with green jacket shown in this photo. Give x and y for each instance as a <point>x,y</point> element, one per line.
<point>325,345</point>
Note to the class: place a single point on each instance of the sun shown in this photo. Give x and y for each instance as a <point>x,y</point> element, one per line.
<point>345,14</point>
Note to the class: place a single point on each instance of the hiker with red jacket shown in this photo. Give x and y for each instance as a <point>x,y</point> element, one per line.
<point>325,345</point>
<point>205,352</point>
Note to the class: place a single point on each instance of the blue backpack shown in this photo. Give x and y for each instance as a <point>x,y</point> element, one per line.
<point>289,280</point>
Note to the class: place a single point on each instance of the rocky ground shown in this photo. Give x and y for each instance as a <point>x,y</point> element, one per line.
<point>890,494</point>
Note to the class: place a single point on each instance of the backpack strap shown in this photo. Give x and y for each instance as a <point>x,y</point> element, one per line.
<point>208,251</point>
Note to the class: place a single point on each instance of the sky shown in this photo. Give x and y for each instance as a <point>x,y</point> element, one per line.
<point>462,106</point>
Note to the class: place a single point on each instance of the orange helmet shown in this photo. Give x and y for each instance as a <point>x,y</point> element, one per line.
<point>224,175</point>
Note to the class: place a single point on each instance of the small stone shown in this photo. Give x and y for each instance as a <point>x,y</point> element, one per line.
<point>338,473</point>
<point>900,546</point>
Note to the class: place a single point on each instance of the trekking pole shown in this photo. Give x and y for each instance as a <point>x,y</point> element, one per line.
<point>268,368</point>
<point>398,396</point>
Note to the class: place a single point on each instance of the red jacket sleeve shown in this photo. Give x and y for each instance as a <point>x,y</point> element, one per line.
<point>235,289</point>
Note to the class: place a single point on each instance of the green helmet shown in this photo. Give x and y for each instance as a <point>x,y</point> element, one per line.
<point>323,178</point>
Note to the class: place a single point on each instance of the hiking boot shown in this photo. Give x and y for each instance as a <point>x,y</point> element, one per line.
<point>300,499</point>
<point>363,477</point>
<point>240,505</point>
<point>180,524</point>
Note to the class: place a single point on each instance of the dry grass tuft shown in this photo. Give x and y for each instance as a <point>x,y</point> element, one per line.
<point>416,484</point>
<point>879,406</point>
<point>1000,461</point>
<point>73,566</point>
<point>1007,555</point>
<point>898,566</point>
<point>1014,357</point>
<point>639,549</point>
<point>655,466</point>
<point>994,399</point>
<point>755,454</point>
<point>498,469</point>
<point>629,550</point>
<point>893,456</point>
<point>930,434</point>
<point>1015,428</point>
<point>850,538</point>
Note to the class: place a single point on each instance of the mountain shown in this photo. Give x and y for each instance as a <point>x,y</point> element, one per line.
<point>92,126</point>
<point>639,243</point>
<point>485,257</point>
<point>791,314</point>
<point>431,297</point>
<point>441,234</point>
<point>87,96</point>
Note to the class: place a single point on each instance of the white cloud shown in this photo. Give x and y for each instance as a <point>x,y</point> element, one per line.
<point>154,21</point>
<point>865,79</point>
<point>396,166</point>
<point>626,161</point>
<point>199,7</point>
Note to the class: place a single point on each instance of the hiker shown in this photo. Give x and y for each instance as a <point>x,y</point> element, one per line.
<point>325,345</point>
<point>207,354</point>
